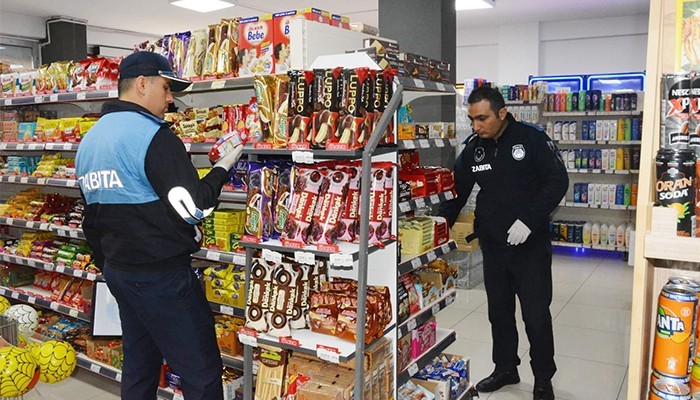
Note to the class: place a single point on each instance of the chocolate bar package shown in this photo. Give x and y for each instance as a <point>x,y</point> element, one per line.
<point>377,225</point>
<point>348,226</point>
<point>331,202</point>
<point>283,197</point>
<point>351,131</point>
<point>280,111</point>
<point>388,202</point>
<point>389,136</point>
<point>264,93</point>
<point>301,105</point>
<point>307,185</point>
<point>323,312</point>
<point>328,85</point>
<point>259,201</point>
<point>194,56</point>
<point>223,58</point>
<point>212,52</point>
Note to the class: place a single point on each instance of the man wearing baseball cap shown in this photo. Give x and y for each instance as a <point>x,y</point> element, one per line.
<point>143,204</point>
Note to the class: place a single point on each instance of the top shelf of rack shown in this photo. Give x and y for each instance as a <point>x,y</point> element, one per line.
<point>591,113</point>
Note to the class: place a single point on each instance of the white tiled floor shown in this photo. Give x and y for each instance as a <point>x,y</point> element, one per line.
<point>591,312</point>
<point>591,316</point>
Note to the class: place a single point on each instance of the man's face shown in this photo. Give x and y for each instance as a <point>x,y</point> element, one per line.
<point>485,122</point>
<point>157,95</point>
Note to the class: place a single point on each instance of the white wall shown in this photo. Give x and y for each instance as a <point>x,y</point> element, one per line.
<point>23,26</point>
<point>509,54</point>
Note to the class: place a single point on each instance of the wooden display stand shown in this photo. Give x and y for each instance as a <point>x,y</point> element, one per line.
<point>659,253</point>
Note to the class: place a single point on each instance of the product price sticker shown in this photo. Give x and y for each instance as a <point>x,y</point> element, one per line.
<point>436,309</point>
<point>450,300</point>
<point>77,273</point>
<point>91,276</point>
<point>404,206</point>
<point>54,306</point>
<point>330,354</point>
<point>272,256</point>
<point>420,202</point>
<point>43,227</point>
<point>31,263</point>
<point>445,248</point>
<point>415,263</point>
<point>216,85</point>
<point>424,143</point>
<point>3,146</point>
<point>441,86</point>
<point>226,310</point>
<point>12,179</point>
<point>303,257</point>
<point>31,300</point>
<point>20,146</point>
<point>213,255</point>
<point>419,83</point>
<point>81,96</point>
<point>341,260</point>
<point>248,337</point>
<point>118,377</point>
<point>71,182</point>
<point>411,325</point>
<point>409,144</point>
<point>38,99</point>
<point>95,368</point>
<point>41,181</point>
<point>239,259</point>
<point>431,255</point>
<point>9,221</point>
<point>60,268</point>
<point>435,199</point>
<point>113,93</point>
<point>412,369</point>
<point>60,232</point>
<point>449,195</point>
<point>24,179</point>
<point>8,102</point>
<point>439,143</point>
<point>53,98</point>
<point>302,157</point>
<point>15,295</point>
<point>73,233</point>
<point>73,313</point>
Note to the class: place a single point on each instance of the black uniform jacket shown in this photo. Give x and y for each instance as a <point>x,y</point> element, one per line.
<point>521,176</point>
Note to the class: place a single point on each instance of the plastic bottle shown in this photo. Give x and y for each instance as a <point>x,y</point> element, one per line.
<point>604,234</point>
<point>550,129</point>
<point>595,233</point>
<point>628,194</point>
<point>587,233</point>
<point>620,236</point>
<point>612,235</point>
<point>628,233</point>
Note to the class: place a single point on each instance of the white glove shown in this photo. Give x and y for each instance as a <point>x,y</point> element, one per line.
<point>518,233</point>
<point>229,160</point>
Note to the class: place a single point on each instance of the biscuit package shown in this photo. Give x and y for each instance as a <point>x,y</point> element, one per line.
<point>301,90</point>
<point>328,87</point>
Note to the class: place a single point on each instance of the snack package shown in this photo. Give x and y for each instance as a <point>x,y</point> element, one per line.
<point>212,52</point>
<point>348,226</point>
<point>179,43</point>
<point>347,317</point>
<point>264,93</point>
<point>79,80</point>
<point>271,372</point>
<point>323,312</point>
<point>283,197</point>
<point>26,84</point>
<point>194,56</point>
<point>259,292</point>
<point>239,176</point>
<point>233,40</point>
<point>280,111</point>
<point>331,202</point>
<point>43,80</point>
<point>69,129</point>
<point>224,146</point>
<point>388,202</point>
<point>282,28</point>
<point>307,185</point>
<point>9,84</point>
<point>377,198</point>
<point>318,275</point>
<point>377,99</point>
<point>256,46</point>
<point>327,103</point>
<point>223,59</point>
<point>351,130</point>
<point>300,315</point>
<point>301,88</point>
<point>282,299</point>
<point>259,203</point>
<point>252,123</point>
<point>389,74</point>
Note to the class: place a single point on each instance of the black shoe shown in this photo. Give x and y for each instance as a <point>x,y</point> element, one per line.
<point>543,391</point>
<point>497,380</point>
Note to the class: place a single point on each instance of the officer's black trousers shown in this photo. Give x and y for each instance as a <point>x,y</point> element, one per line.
<point>525,271</point>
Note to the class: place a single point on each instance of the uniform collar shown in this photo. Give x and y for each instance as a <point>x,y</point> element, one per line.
<point>121,105</point>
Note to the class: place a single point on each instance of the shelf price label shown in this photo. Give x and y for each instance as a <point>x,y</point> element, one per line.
<point>248,337</point>
<point>8,102</point>
<point>415,263</point>
<point>77,273</point>
<point>60,268</point>
<point>31,300</point>
<point>228,310</point>
<point>420,202</point>
<point>436,309</point>
<point>330,354</point>
<point>424,143</point>
<point>218,84</point>
<point>73,313</point>
<point>411,325</point>
<point>38,99</point>
<point>302,157</point>
<point>409,144</point>
<point>272,256</point>
<point>239,259</point>
<point>15,295</point>
<point>439,143</point>
<point>41,181</point>
<point>289,342</point>
<point>453,142</point>
<point>431,255</point>
<point>213,255</point>
<point>81,96</point>
<point>113,93</point>
<point>91,276</point>
<point>440,86</point>
<point>53,98</point>
<point>412,369</point>
<point>341,260</point>
<point>95,368</point>
<point>435,199</point>
<point>188,147</point>
<point>304,257</point>
<point>118,377</point>
<point>178,396</point>
<point>404,206</point>
<point>419,83</point>
<point>450,300</point>
<point>445,248</point>
<point>449,195</point>
<point>54,306</point>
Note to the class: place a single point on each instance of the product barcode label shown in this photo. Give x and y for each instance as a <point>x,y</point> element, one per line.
<point>54,306</point>
<point>15,295</point>
<point>239,259</point>
<point>420,203</point>
<point>82,96</point>
<point>272,256</point>
<point>409,144</point>
<point>53,97</point>
<point>415,263</point>
<point>218,84</point>
<point>419,83</point>
<point>73,313</point>
<point>95,368</point>
<point>440,86</point>
<point>424,143</point>
<point>226,310</point>
<point>439,143</point>
<point>213,255</point>
<point>341,260</point>
<point>431,255</point>
<point>412,369</point>
<point>435,199</point>
<point>404,207</point>
<point>60,268</point>
<point>38,99</point>
<point>303,257</point>
<point>411,325</point>
<point>329,354</point>
<point>436,309</point>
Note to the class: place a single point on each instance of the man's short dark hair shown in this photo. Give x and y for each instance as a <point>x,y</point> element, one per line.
<point>493,96</point>
<point>125,85</point>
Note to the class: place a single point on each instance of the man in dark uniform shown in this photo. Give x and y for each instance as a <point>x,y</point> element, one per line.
<point>522,180</point>
<point>143,201</point>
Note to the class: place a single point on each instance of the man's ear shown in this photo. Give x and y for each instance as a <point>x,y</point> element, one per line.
<point>502,113</point>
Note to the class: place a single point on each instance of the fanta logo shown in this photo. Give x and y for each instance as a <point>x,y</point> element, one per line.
<point>667,326</point>
<point>256,33</point>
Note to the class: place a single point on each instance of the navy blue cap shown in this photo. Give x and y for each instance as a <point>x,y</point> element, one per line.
<point>145,63</point>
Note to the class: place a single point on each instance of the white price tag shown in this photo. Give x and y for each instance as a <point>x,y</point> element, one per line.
<point>272,256</point>
<point>302,157</point>
<point>303,257</point>
<point>404,206</point>
<point>77,273</point>
<point>31,263</point>
<point>409,144</point>
<point>12,179</point>
<point>341,260</point>
<point>31,300</point>
<point>415,263</point>
<point>73,313</point>
<point>411,325</point>
<point>83,96</point>
<point>449,195</point>
<point>9,221</point>
<point>8,102</point>
<point>248,340</point>
<point>44,227</point>
<point>34,146</point>
<point>3,146</point>
<point>213,255</point>
<point>439,143</point>
<point>49,267</point>
<point>60,232</point>
<point>441,86</point>
<point>453,142</point>
<point>73,233</point>
<point>53,98</point>
<point>420,202</point>
<point>188,147</point>
<point>431,255</point>
<point>329,354</point>
<point>95,368</point>
<point>424,143</point>
<point>54,306</point>
<point>41,181</point>
<point>449,300</point>
<point>60,268</point>
<point>239,259</point>
<point>226,310</point>
<point>67,146</point>
<point>118,377</point>
<point>71,182</point>
<point>113,93</point>
<point>91,276</point>
<point>216,85</point>
<point>24,179</point>
<point>20,146</point>
<point>38,99</point>
<point>436,309</point>
<point>435,199</point>
<point>412,369</point>
<point>178,396</point>
<point>15,295</point>
<point>445,248</point>
<point>419,83</point>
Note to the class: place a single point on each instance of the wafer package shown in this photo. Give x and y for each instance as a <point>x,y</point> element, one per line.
<point>301,103</point>
<point>328,89</point>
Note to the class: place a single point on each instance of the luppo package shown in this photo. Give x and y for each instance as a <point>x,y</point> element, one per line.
<point>224,146</point>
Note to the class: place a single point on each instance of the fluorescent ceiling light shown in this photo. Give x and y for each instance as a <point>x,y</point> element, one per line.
<point>203,6</point>
<point>474,4</point>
